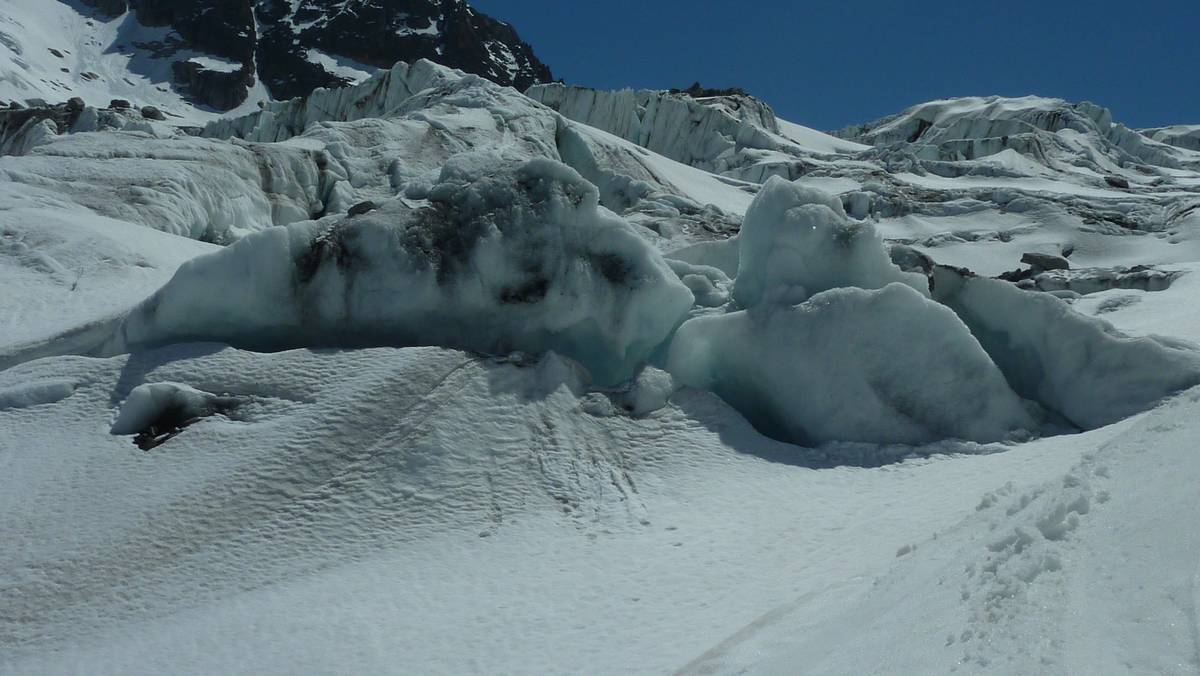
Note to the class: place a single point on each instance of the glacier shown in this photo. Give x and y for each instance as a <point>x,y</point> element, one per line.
<point>431,372</point>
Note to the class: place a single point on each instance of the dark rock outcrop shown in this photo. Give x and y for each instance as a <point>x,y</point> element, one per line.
<point>272,40</point>
<point>362,208</point>
<point>110,7</point>
<point>1042,262</point>
<point>696,91</point>
<point>218,89</point>
<point>63,115</point>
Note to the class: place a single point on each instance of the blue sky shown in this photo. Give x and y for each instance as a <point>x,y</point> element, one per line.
<point>827,64</point>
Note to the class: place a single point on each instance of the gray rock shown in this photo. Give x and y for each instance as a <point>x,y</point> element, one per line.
<point>1040,261</point>
<point>120,104</point>
<point>362,208</point>
<point>909,259</point>
<point>152,113</point>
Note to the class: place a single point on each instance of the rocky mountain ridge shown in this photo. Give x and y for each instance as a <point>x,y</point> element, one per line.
<point>295,47</point>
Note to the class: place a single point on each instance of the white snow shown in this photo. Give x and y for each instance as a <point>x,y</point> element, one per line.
<point>502,55</point>
<point>1083,571</point>
<point>36,393</point>
<point>216,64</point>
<point>816,141</point>
<point>64,268</point>
<point>351,70</point>
<point>186,186</point>
<point>356,476</point>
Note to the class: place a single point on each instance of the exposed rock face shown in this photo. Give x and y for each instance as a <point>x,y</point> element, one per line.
<point>152,113</point>
<point>20,126</point>
<point>289,45</point>
<point>698,91</point>
<point>218,89</point>
<point>111,7</point>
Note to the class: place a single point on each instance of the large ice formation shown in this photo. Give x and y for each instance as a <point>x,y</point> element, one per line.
<point>850,364</point>
<point>1077,366</point>
<point>837,343</point>
<point>501,256</point>
<point>796,242</point>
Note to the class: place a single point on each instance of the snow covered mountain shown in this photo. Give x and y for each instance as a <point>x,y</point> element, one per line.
<point>425,374</point>
<point>223,55</point>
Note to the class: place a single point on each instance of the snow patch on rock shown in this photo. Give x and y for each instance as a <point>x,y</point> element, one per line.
<point>151,402</point>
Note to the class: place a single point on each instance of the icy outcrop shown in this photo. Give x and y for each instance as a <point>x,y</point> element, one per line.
<point>379,96</point>
<point>21,139</point>
<point>721,254</point>
<point>779,363</point>
<point>796,242</point>
<point>197,188</point>
<point>1181,135</point>
<point>155,412</point>
<point>1084,281</point>
<point>502,256</point>
<point>391,135</point>
<point>840,365</point>
<point>23,129</point>
<point>1051,131</point>
<point>1079,367</point>
<point>735,136</point>
<point>308,158</point>
<point>977,118</point>
<point>887,366</point>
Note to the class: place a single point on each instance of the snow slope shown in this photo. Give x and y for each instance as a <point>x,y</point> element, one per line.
<point>1079,574</point>
<point>344,506</point>
<point>54,50</point>
<point>64,268</point>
